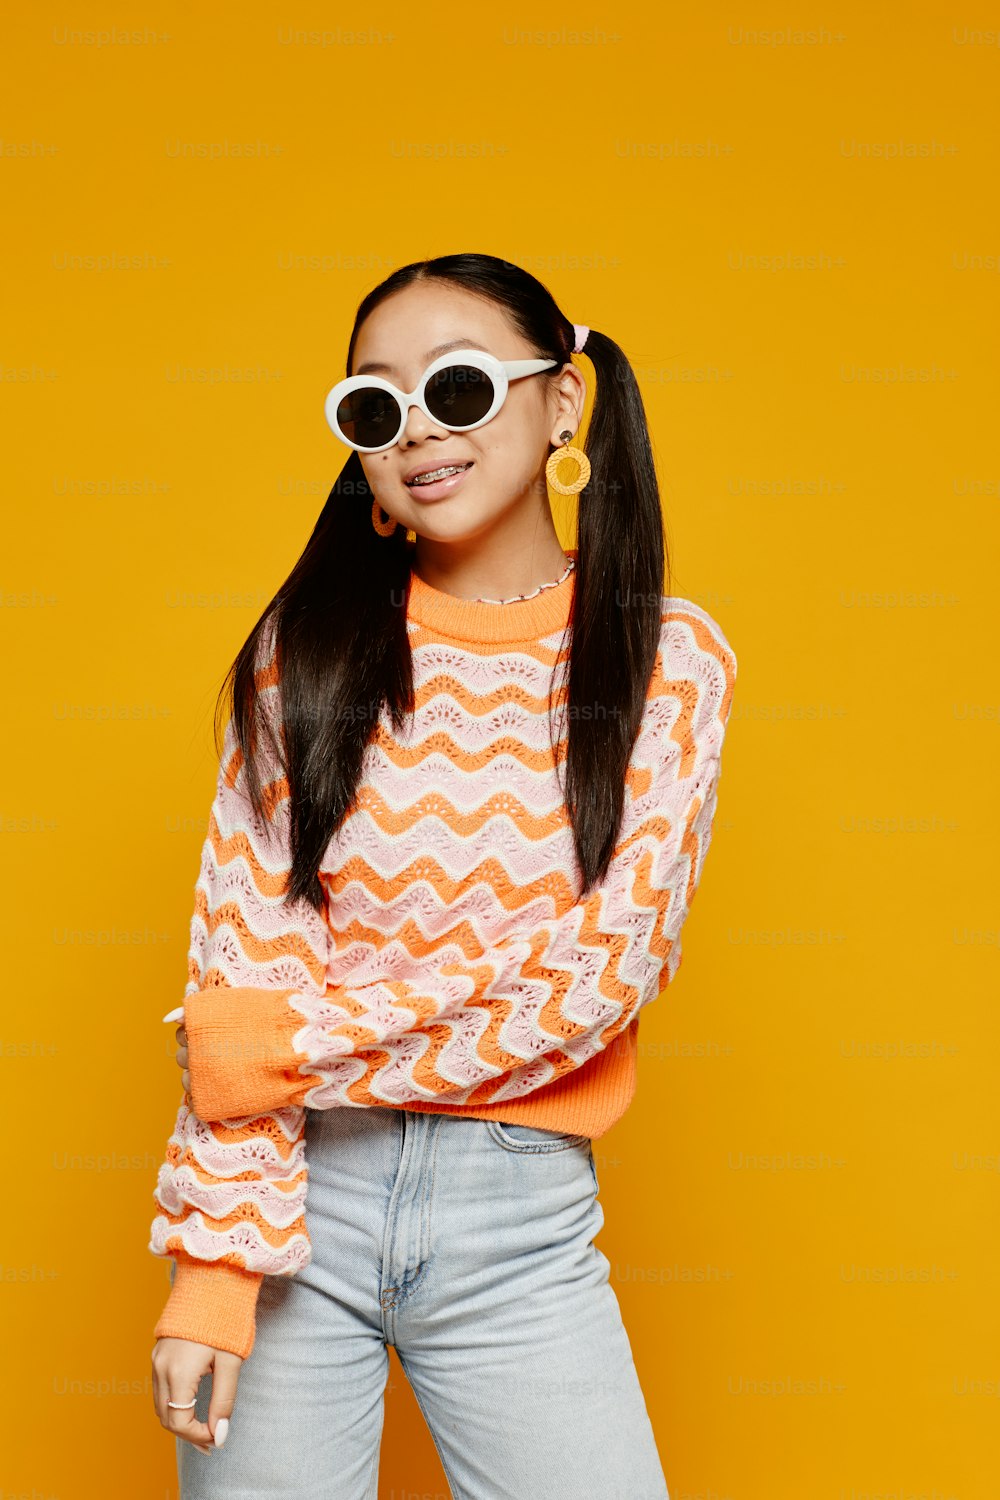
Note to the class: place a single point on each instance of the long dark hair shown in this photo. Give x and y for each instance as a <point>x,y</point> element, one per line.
<point>338,631</point>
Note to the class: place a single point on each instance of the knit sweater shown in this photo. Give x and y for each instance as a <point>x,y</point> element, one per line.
<point>454,969</point>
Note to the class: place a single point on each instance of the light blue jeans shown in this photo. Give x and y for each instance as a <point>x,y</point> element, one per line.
<point>469,1246</point>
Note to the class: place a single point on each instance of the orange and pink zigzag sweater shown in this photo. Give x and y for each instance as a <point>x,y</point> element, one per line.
<point>454,969</point>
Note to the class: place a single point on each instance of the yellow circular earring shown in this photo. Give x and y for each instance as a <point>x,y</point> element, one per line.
<point>386,527</point>
<point>555,459</point>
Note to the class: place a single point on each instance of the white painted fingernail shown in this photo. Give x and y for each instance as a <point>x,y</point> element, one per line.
<point>221,1428</point>
<point>175,1015</point>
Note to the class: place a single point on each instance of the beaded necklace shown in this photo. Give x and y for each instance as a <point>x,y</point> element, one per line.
<point>518,597</point>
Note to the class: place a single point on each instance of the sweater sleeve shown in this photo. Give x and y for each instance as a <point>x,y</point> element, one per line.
<point>231,1192</point>
<point>474,1023</point>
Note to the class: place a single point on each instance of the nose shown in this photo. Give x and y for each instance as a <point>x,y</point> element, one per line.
<point>417,426</point>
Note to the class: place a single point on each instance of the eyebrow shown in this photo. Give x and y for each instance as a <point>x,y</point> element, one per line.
<point>372,367</point>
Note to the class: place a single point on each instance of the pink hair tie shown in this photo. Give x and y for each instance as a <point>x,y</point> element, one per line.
<point>580,330</point>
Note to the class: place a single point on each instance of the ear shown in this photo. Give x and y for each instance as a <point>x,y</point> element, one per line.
<point>571,394</point>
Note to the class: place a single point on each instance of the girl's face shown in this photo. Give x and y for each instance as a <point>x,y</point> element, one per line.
<point>506,456</point>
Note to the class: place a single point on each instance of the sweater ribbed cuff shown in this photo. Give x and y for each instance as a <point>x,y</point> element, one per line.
<point>214,1304</point>
<point>240,1055</point>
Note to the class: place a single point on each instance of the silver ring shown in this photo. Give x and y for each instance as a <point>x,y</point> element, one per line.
<point>183,1405</point>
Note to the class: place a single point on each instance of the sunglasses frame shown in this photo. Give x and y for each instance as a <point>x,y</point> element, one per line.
<point>500,371</point>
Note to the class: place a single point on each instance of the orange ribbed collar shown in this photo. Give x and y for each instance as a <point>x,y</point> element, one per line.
<point>497,624</point>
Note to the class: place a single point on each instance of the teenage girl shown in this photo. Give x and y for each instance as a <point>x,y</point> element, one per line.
<point>490,765</point>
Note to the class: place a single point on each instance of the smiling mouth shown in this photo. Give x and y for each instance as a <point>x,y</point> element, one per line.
<point>433,476</point>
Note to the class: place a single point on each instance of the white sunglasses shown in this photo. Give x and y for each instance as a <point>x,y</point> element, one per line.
<point>460,391</point>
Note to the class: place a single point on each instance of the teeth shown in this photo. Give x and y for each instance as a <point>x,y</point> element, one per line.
<point>434,474</point>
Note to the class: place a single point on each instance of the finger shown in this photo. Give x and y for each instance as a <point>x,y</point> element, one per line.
<point>159,1399</point>
<point>161,1386</point>
<point>225,1377</point>
<point>186,1081</point>
<point>185,1424</point>
<point>182,1057</point>
<point>180,1419</point>
<point>171,1417</point>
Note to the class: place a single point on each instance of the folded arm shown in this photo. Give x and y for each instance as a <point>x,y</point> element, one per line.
<point>475,1024</point>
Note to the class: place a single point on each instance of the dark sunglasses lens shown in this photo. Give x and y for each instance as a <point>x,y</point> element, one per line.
<point>369,416</point>
<point>459,395</point>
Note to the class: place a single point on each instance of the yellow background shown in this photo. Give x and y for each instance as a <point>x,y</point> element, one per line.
<point>787,218</point>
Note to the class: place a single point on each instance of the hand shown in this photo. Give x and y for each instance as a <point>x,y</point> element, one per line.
<point>182,1062</point>
<point>178,1366</point>
<point>182,1055</point>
